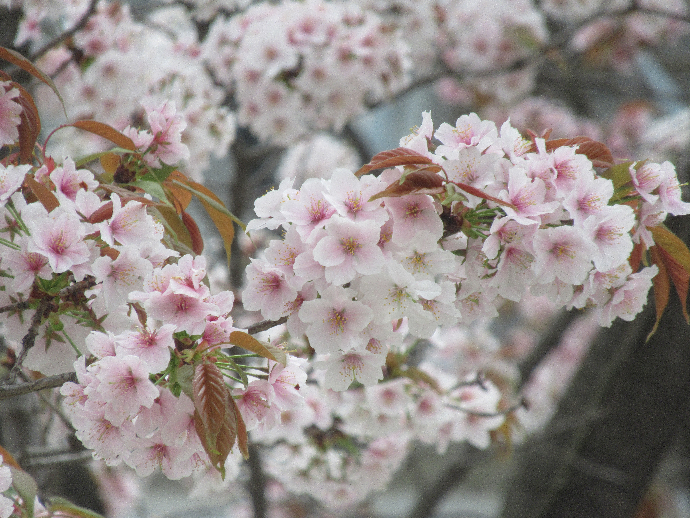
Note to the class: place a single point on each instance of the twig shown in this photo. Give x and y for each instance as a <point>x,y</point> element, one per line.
<point>58,380</point>
<point>265,325</point>
<point>29,338</point>
<point>62,37</point>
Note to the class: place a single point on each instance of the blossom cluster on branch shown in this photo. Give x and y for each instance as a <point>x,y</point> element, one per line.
<point>450,234</point>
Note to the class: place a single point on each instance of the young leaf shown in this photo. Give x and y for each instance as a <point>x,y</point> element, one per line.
<point>619,174</point>
<point>105,131</point>
<point>597,152</point>
<point>222,218</point>
<point>180,198</point>
<point>662,287</point>
<point>17,59</point>
<point>47,198</point>
<point>26,486</point>
<point>395,157</point>
<point>8,459</point>
<point>416,182</point>
<point>242,439</point>
<point>678,274</point>
<point>194,232</point>
<point>61,507</point>
<point>210,396</point>
<point>248,342</point>
<point>29,126</point>
<point>110,162</point>
<point>175,226</point>
<point>214,417</point>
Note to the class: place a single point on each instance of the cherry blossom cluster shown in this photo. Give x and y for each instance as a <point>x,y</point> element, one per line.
<point>297,66</point>
<point>619,39</point>
<point>91,277</point>
<point>121,62</point>
<point>510,218</point>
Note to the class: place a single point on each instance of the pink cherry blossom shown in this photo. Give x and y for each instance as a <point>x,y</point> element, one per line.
<point>151,345</point>
<point>267,290</point>
<point>335,320</point>
<point>310,210</point>
<point>564,253</point>
<point>129,225</point>
<point>609,230</point>
<point>413,214</point>
<point>349,248</point>
<point>469,132</point>
<point>69,180</point>
<point>344,368</point>
<point>25,265</point>
<point>527,197</point>
<point>256,405</point>
<point>59,237</point>
<point>11,178</point>
<point>124,387</point>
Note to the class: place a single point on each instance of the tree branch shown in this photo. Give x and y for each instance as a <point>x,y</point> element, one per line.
<point>62,37</point>
<point>8,391</point>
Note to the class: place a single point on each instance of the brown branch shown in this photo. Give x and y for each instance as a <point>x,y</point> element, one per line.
<point>81,23</point>
<point>265,325</point>
<point>8,391</point>
<point>29,339</point>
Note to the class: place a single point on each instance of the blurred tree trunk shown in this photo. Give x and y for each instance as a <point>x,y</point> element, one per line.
<point>626,406</point>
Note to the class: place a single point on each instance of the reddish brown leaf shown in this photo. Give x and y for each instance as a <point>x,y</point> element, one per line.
<point>416,182</point>
<point>222,219</point>
<point>476,192</point>
<point>8,459</point>
<point>102,213</point>
<point>636,256</point>
<point>29,125</point>
<point>680,277</point>
<point>105,131</point>
<point>242,439</point>
<point>194,233</point>
<point>17,59</point>
<point>673,245</point>
<point>597,152</point>
<point>210,395</point>
<point>661,287</point>
<point>47,198</point>
<point>392,158</point>
<point>110,162</point>
<point>180,198</point>
<point>214,417</point>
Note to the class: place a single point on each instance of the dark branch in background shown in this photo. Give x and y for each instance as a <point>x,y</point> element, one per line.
<point>29,339</point>
<point>8,391</point>
<point>257,482</point>
<point>546,344</point>
<point>448,480</point>
<point>62,37</point>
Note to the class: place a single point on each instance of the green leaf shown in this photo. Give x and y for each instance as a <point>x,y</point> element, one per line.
<point>26,486</point>
<point>229,362</point>
<point>153,188</point>
<point>619,174</point>
<point>62,507</point>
